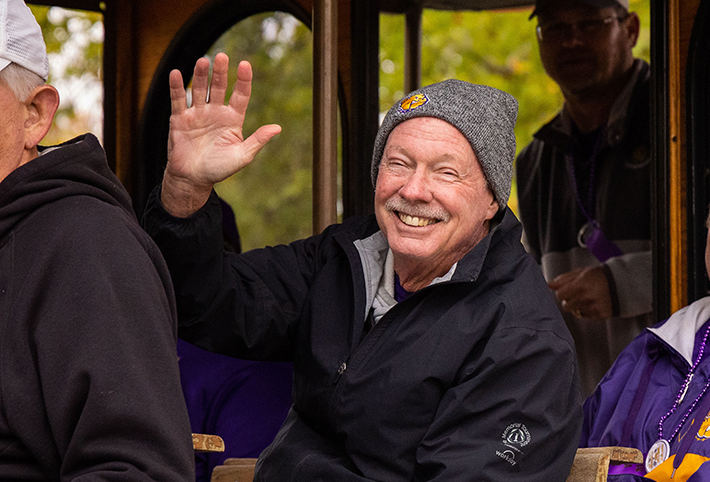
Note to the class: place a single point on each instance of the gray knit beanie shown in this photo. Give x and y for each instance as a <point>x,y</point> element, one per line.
<point>484,115</point>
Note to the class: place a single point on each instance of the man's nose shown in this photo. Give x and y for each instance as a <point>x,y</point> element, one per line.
<point>417,187</point>
<point>572,37</point>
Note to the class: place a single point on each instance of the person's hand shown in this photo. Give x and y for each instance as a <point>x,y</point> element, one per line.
<point>206,144</point>
<point>584,292</point>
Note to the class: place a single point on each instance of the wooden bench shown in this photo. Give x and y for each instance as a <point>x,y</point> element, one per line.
<point>592,464</point>
<point>234,470</point>
<point>207,443</point>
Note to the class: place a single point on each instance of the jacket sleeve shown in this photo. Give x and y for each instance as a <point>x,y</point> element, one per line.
<point>528,178</point>
<point>100,334</point>
<point>243,305</point>
<point>700,475</point>
<point>633,278</point>
<point>630,478</point>
<point>516,416</point>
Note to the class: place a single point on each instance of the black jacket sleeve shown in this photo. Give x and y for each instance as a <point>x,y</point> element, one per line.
<point>243,305</point>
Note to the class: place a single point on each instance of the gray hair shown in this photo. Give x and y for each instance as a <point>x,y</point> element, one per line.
<point>20,80</point>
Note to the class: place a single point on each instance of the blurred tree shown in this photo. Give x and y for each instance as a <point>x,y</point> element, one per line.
<point>74,41</point>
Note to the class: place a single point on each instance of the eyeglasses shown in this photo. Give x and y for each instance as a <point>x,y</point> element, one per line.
<point>587,28</point>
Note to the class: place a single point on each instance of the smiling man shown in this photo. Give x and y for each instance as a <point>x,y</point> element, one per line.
<point>584,182</point>
<point>425,343</point>
<point>432,200</point>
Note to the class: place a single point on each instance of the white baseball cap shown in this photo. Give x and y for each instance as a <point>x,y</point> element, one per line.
<point>21,38</point>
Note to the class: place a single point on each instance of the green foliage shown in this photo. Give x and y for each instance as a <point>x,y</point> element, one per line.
<point>272,197</point>
<point>74,42</point>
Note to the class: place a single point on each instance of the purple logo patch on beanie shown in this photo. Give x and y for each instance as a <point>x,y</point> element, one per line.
<point>412,102</point>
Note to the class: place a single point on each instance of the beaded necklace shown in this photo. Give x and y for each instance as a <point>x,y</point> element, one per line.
<point>660,451</point>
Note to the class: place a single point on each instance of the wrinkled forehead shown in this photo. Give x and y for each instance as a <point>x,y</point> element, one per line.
<point>420,132</point>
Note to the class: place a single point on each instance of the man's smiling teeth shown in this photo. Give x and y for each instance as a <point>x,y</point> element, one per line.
<point>415,221</point>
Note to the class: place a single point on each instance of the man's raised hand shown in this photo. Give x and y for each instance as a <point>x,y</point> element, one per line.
<point>206,144</point>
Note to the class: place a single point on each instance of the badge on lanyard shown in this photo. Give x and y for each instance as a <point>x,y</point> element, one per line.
<point>592,237</point>
<point>659,453</point>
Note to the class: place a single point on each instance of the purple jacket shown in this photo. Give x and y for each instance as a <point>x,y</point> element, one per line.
<point>244,402</point>
<point>643,385</point>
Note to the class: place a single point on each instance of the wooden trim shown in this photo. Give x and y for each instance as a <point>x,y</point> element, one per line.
<point>88,5</point>
<point>676,165</point>
<point>660,140</point>
<point>123,61</point>
<point>362,108</point>
<point>207,443</point>
<point>325,113</point>
<point>681,14</point>
<point>698,151</point>
<point>413,48</point>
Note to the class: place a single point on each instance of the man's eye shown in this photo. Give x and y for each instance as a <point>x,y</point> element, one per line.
<point>555,28</point>
<point>590,24</point>
<point>396,164</point>
<point>448,175</point>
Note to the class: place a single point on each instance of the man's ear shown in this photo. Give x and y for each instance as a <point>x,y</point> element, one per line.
<point>493,208</point>
<point>40,107</point>
<point>633,27</point>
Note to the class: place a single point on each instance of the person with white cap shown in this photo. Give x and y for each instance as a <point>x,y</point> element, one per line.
<point>584,182</point>
<point>89,381</point>
<point>425,342</point>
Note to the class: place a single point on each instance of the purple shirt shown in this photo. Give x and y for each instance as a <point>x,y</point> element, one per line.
<point>244,402</point>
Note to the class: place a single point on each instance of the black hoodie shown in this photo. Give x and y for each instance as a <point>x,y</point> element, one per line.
<point>89,383</point>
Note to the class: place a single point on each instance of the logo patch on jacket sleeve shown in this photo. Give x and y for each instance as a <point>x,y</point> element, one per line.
<point>515,437</point>
<point>412,102</point>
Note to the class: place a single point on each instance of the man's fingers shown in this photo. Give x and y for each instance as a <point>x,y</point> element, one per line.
<point>559,281</point>
<point>178,99</point>
<point>242,89</point>
<point>255,142</point>
<point>564,278</point>
<point>571,291</point>
<point>200,82</point>
<point>218,86</point>
<point>567,306</point>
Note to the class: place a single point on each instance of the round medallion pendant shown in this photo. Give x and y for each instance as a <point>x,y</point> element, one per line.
<point>659,453</point>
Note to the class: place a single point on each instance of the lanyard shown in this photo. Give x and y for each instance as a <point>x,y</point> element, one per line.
<point>591,236</point>
<point>591,198</point>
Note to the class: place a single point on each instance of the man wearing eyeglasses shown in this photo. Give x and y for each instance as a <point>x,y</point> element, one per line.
<point>584,181</point>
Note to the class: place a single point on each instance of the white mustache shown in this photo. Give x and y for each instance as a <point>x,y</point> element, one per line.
<point>420,210</point>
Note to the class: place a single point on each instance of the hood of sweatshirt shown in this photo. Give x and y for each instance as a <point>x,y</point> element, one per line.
<point>76,167</point>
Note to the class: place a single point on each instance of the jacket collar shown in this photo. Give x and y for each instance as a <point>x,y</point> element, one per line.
<point>378,270</point>
<point>373,252</point>
<point>679,330</point>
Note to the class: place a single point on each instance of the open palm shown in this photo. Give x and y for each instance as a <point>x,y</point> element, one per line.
<point>206,143</point>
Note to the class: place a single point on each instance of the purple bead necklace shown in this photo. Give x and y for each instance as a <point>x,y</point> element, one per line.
<point>682,391</point>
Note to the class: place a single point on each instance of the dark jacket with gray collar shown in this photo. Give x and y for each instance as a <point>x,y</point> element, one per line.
<point>471,378</point>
